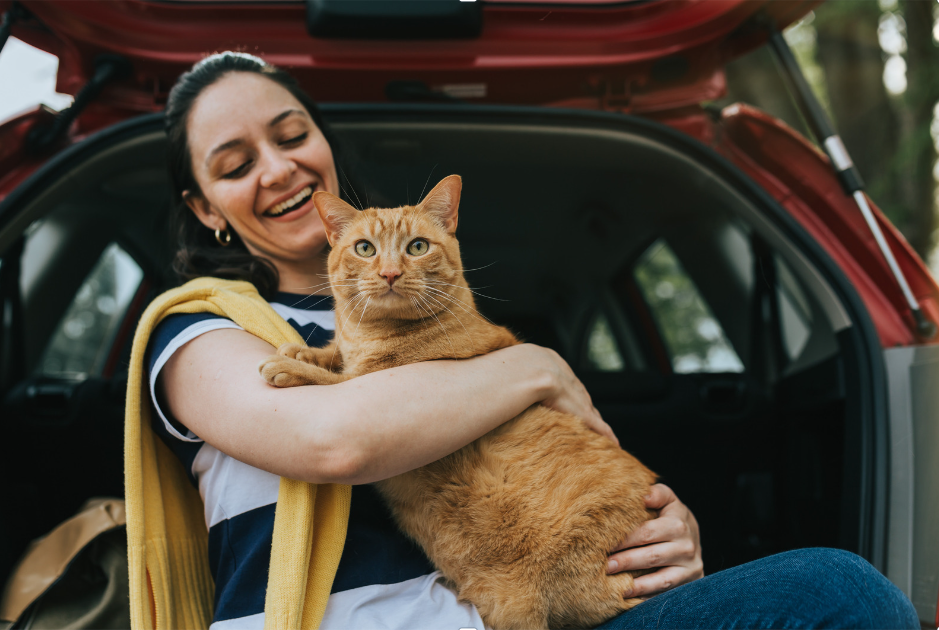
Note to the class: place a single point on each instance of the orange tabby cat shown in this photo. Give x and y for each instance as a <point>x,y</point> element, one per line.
<point>521,520</point>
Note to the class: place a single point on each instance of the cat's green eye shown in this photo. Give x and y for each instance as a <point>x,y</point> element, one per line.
<point>418,247</point>
<point>364,249</point>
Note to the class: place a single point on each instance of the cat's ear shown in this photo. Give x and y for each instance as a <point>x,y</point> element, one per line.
<point>443,202</point>
<point>335,213</point>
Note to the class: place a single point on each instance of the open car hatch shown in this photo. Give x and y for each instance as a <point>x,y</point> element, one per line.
<point>638,56</point>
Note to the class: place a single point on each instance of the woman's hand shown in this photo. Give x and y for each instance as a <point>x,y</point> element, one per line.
<point>670,543</point>
<point>568,394</point>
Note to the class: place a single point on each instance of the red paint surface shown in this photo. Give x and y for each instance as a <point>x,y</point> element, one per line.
<point>527,54</point>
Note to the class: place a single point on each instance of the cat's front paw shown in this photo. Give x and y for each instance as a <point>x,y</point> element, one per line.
<point>297,351</point>
<point>284,371</point>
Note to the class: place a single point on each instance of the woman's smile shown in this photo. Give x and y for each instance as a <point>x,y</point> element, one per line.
<point>293,203</point>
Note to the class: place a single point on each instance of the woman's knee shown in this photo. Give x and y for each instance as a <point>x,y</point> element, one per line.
<point>842,589</point>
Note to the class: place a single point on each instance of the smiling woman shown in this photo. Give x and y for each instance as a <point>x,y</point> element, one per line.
<point>263,149</point>
<point>259,157</point>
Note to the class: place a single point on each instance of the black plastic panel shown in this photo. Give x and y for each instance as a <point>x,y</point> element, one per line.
<point>394,19</point>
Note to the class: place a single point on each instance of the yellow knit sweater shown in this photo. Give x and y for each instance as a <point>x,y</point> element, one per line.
<point>167,543</point>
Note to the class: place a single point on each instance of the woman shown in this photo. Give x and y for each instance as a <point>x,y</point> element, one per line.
<point>247,150</point>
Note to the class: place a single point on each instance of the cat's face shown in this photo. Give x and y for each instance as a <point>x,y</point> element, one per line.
<point>396,262</point>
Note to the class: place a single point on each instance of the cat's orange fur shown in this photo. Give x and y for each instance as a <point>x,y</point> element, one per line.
<point>522,519</point>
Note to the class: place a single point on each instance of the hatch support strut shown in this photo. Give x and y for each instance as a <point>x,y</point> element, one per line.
<point>847,173</point>
<point>107,68</point>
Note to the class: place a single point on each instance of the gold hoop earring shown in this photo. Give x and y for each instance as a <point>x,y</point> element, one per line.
<point>223,241</point>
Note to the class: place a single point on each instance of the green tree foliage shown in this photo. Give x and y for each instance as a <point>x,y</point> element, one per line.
<point>844,47</point>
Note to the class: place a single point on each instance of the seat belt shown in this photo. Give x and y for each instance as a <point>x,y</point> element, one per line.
<point>766,349</point>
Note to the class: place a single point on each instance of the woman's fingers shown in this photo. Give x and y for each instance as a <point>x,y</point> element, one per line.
<point>670,543</point>
<point>596,424</point>
<point>658,582</point>
<point>665,554</point>
<point>660,496</point>
<point>662,529</point>
<point>570,396</point>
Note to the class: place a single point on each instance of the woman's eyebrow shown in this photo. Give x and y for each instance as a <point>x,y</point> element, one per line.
<point>237,141</point>
<point>223,147</point>
<point>279,117</point>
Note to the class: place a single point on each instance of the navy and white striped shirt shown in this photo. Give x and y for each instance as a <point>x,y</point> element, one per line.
<point>383,580</point>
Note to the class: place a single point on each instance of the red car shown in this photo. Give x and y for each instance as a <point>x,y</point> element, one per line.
<point>749,327</point>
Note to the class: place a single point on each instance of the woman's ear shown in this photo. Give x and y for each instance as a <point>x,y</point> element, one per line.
<point>335,213</point>
<point>207,215</point>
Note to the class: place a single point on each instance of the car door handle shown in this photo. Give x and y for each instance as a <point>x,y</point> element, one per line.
<point>724,396</point>
<point>49,401</point>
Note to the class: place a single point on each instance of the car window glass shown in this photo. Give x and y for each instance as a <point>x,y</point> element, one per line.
<point>82,339</point>
<point>603,354</point>
<point>692,335</point>
<point>795,313</point>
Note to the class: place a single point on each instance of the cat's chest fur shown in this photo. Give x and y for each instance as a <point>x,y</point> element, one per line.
<point>378,346</point>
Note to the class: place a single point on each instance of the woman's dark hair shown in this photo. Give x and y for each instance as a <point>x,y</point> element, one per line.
<point>198,252</point>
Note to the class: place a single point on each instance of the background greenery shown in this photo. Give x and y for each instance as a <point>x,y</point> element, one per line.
<point>874,64</point>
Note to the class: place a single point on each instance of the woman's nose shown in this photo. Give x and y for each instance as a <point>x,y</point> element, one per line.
<point>277,168</point>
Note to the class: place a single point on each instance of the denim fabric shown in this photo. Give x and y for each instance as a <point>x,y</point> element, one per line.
<point>806,588</point>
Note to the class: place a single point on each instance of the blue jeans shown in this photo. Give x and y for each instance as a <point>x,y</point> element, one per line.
<point>806,588</point>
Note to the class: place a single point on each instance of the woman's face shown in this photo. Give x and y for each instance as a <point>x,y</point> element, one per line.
<point>258,158</point>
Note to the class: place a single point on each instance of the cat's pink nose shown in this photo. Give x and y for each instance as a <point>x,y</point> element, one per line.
<point>390,275</point>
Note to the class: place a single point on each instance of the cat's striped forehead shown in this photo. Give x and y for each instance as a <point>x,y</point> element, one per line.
<point>404,222</point>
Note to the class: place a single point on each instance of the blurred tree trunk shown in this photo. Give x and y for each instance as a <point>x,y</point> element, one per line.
<point>849,53</point>
<point>917,152</point>
<point>755,79</point>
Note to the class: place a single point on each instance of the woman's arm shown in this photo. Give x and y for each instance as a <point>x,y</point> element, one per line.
<point>369,428</point>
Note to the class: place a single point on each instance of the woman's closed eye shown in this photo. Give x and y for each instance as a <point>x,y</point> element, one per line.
<point>245,166</point>
<point>296,140</point>
<point>237,172</point>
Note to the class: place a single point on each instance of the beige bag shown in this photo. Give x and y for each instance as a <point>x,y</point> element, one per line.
<point>75,576</point>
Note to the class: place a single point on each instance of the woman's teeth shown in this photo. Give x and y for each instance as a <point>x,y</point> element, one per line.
<point>294,202</point>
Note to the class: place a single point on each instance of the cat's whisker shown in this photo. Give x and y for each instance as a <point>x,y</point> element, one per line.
<point>463,305</point>
<point>467,288</point>
<point>353,302</point>
<point>322,299</point>
<point>461,286</point>
<point>478,268</point>
<point>303,288</point>
<point>423,309</point>
<point>466,307</point>
<point>420,309</point>
<point>444,306</point>
<point>425,184</point>
<point>351,187</point>
<point>364,308</point>
<point>312,286</point>
<point>307,297</point>
<point>307,340</point>
<point>431,311</point>
<point>414,302</point>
